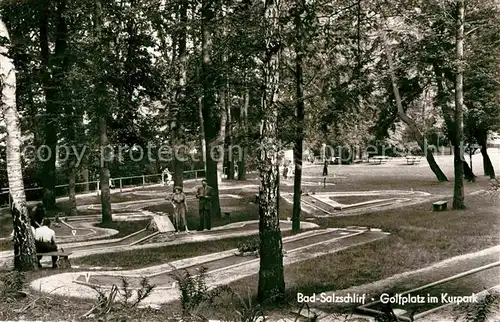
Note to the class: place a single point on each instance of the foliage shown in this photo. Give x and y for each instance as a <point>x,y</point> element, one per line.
<point>250,245</point>
<point>106,302</point>
<point>11,285</point>
<point>193,290</point>
<point>483,309</point>
<point>198,301</point>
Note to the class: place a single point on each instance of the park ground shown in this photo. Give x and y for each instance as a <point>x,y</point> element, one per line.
<point>418,238</point>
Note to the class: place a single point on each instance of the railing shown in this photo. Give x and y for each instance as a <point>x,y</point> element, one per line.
<point>94,186</point>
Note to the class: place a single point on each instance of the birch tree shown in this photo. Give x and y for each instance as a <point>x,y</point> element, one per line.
<point>271,276</point>
<point>24,241</point>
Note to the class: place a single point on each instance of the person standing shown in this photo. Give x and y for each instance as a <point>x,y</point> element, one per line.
<point>285,172</point>
<point>168,178</point>
<point>180,209</point>
<point>325,169</point>
<point>204,194</point>
<point>45,241</point>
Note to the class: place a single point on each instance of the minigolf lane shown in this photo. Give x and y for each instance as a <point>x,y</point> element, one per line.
<point>165,278</point>
<point>459,289</point>
<point>326,204</point>
<point>222,267</point>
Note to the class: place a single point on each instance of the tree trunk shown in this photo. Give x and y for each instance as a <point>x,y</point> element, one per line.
<point>102,113</point>
<point>229,142</point>
<point>72,191</point>
<point>64,103</point>
<point>107,216</point>
<point>221,138</point>
<point>458,190</point>
<point>271,277</point>
<point>448,119</point>
<point>227,120</point>
<point>407,120</point>
<point>180,101</point>
<point>85,174</point>
<point>203,142</point>
<point>299,103</point>
<point>209,123</point>
<point>242,171</point>
<point>482,137</point>
<point>24,241</point>
<point>49,166</point>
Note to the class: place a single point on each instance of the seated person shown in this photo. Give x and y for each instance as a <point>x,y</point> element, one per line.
<point>37,215</point>
<point>45,241</point>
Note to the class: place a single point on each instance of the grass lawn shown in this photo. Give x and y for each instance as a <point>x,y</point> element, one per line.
<point>125,228</point>
<point>419,237</point>
<point>5,226</point>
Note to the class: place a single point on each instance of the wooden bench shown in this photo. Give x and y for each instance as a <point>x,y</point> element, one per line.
<point>440,206</point>
<point>63,258</point>
<point>412,160</point>
<point>380,159</point>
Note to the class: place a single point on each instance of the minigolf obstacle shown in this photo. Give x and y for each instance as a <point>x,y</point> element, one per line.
<point>161,224</point>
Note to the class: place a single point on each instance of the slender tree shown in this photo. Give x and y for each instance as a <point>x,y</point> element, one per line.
<point>271,276</point>
<point>101,108</point>
<point>210,123</point>
<point>180,95</point>
<point>299,106</point>
<point>51,121</point>
<point>61,63</point>
<point>458,190</point>
<point>24,241</point>
<point>244,130</point>
<point>404,117</point>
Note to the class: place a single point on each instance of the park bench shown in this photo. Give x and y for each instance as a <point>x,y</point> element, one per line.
<point>440,205</point>
<point>379,159</point>
<point>63,258</point>
<point>412,160</point>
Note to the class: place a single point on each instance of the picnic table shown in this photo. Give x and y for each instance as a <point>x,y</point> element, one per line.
<point>379,159</point>
<point>411,160</point>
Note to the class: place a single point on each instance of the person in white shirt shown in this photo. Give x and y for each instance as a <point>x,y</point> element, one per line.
<point>45,241</point>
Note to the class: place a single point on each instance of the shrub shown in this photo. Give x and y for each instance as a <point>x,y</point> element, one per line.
<point>250,245</point>
<point>11,285</point>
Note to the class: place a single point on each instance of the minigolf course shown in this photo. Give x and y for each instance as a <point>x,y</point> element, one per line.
<point>222,268</point>
<point>330,204</point>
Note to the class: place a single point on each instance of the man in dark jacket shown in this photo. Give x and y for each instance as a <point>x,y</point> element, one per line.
<point>204,194</point>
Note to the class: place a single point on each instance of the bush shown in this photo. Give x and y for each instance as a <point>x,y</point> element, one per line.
<point>11,285</point>
<point>105,303</point>
<point>250,245</point>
